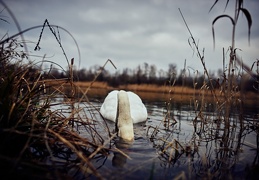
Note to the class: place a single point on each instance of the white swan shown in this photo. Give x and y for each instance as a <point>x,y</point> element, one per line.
<point>124,108</point>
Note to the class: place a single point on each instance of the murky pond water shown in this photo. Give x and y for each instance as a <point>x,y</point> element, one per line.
<point>181,142</point>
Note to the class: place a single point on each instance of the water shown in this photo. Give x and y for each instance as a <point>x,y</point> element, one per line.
<point>194,145</point>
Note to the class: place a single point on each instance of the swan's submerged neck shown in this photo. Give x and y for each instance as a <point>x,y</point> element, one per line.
<point>124,120</point>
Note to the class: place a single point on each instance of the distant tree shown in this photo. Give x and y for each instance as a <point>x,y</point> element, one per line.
<point>162,77</point>
<point>89,75</point>
<point>146,70</point>
<point>152,74</point>
<point>172,72</point>
<point>139,75</point>
<point>171,69</point>
<point>125,79</point>
<point>181,80</point>
<point>115,80</point>
<point>54,73</point>
<point>82,74</point>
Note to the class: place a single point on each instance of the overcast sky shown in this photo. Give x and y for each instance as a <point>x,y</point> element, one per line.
<point>132,32</point>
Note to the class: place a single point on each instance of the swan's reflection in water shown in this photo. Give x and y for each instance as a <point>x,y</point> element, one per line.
<point>120,158</point>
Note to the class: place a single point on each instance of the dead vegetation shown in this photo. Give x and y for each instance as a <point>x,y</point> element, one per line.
<point>40,125</point>
<point>40,135</point>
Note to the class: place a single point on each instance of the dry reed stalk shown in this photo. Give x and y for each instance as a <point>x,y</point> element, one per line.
<point>32,129</point>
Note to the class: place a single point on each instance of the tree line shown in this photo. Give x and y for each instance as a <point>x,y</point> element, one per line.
<point>148,74</point>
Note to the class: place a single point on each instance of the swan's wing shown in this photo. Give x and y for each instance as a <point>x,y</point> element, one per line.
<point>109,106</point>
<point>138,110</point>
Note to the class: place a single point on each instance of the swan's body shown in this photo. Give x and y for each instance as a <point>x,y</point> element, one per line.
<point>124,108</point>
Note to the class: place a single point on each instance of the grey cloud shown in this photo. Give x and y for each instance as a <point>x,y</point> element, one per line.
<point>134,32</point>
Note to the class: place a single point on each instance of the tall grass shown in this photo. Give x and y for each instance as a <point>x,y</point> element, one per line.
<point>222,131</point>
<point>40,124</point>
<point>39,135</point>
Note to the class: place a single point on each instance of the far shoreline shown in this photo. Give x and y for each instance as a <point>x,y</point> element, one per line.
<point>153,92</point>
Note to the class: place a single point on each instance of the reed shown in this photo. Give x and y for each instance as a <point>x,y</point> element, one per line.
<point>40,124</point>
<point>222,131</point>
<point>41,120</point>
